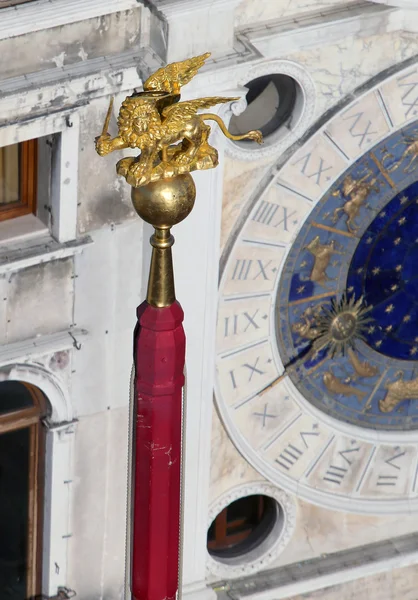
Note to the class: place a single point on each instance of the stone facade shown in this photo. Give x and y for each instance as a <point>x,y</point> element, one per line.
<point>72,280</point>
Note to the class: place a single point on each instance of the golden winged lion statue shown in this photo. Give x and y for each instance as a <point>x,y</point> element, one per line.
<point>171,135</point>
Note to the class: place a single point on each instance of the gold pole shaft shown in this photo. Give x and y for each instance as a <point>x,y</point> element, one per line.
<point>161,290</point>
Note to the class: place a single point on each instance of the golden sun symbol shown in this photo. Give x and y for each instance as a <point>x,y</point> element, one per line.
<point>340,325</point>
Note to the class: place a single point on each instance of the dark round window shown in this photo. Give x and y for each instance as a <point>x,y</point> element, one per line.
<point>242,526</point>
<point>271,100</point>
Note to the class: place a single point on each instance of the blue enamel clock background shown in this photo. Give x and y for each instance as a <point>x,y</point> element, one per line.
<point>361,238</point>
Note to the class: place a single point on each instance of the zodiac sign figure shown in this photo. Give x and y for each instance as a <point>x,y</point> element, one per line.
<point>305,328</point>
<point>357,192</point>
<point>337,386</point>
<point>171,136</point>
<point>322,254</point>
<point>398,391</point>
<point>410,152</point>
<point>362,369</point>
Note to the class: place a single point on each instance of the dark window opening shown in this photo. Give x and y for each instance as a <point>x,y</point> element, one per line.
<point>18,179</point>
<point>242,526</point>
<point>271,100</point>
<point>22,448</point>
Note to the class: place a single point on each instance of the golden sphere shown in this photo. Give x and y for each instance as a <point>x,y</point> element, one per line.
<point>165,202</point>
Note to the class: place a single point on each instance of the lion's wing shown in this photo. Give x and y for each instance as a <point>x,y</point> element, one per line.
<point>179,113</point>
<point>179,72</point>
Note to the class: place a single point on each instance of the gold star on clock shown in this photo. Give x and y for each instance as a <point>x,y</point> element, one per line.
<point>371,329</point>
<point>300,289</point>
<point>378,343</point>
<point>376,271</point>
<point>398,268</point>
<point>382,214</point>
<point>350,289</point>
<point>402,221</point>
<point>389,328</point>
<point>360,270</point>
<point>413,350</point>
<point>394,287</point>
<point>403,199</point>
<point>303,264</point>
<point>389,309</point>
<point>406,318</point>
<point>369,240</point>
<point>397,241</point>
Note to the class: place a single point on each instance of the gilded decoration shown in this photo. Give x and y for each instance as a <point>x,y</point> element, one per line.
<point>171,136</point>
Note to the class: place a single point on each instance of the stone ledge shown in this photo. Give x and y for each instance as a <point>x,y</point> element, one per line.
<point>45,14</point>
<point>16,256</point>
<point>318,573</point>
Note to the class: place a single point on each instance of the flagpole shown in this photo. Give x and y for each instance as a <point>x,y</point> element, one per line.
<point>159,359</point>
<point>173,141</point>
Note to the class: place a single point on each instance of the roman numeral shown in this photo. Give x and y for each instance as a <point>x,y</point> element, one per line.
<point>391,461</point>
<point>390,480</point>
<point>248,368</point>
<point>335,474</point>
<point>291,454</point>
<point>410,96</point>
<point>363,131</point>
<point>268,210</point>
<point>241,323</point>
<point>244,268</point>
<point>289,457</point>
<point>315,173</point>
<point>387,480</point>
<point>253,368</point>
<point>231,329</point>
<point>264,415</point>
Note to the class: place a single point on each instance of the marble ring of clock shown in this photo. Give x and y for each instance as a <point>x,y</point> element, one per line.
<point>270,547</point>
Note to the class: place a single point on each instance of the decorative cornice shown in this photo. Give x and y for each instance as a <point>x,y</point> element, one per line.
<point>411,4</point>
<point>75,85</point>
<point>45,14</point>
<point>40,346</point>
<point>260,557</point>
<point>276,37</point>
<point>176,8</point>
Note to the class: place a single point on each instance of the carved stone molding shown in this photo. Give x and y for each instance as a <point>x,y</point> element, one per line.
<point>277,142</point>
<point>271,547</point>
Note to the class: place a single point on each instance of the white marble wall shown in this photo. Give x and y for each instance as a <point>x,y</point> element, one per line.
<point>250,11</point>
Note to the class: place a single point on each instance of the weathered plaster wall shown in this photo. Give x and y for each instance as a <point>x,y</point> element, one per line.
<point>104,198</point>
<point>97,546</point>
<point>36,300</point>
<point>70,44</point>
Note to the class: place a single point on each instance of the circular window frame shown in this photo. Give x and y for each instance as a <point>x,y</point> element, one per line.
<point>270,547</point>
<point>302,117</point>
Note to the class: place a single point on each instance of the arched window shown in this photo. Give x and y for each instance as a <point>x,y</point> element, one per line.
<point>22,450</point>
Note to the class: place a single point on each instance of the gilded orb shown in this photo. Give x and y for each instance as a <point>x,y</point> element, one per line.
<point>165,202</point>
<point>343,327</point>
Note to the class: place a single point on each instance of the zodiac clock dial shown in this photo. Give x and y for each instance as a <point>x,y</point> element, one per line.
<point>317,367</point>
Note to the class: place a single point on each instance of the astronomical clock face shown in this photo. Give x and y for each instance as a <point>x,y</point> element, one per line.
<point>318,318</point>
